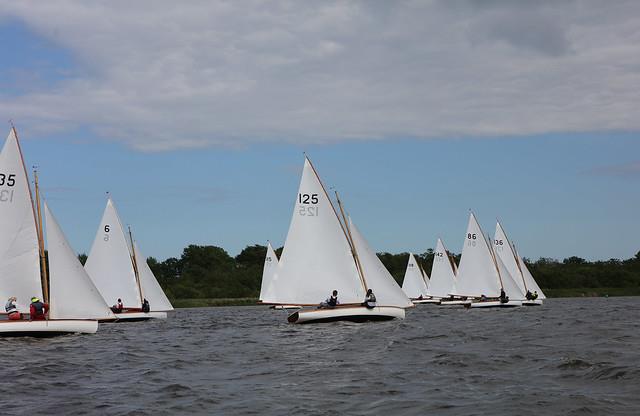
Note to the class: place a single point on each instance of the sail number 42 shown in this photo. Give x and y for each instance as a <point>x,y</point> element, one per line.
<point>308,205</point>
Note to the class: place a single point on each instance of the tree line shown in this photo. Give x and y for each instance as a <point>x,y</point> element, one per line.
<point>210,272</point>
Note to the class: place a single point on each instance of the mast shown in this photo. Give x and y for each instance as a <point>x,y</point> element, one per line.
<point>515,254</point>
<point>135,265</point>
<point>43,262</point>
<point>354,252</point>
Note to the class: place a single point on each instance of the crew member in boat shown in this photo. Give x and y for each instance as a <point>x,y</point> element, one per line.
<point>145,306</point>
<point>535,295</point>
<point>38,309</point>
<point>118,307</point>
<point>331,301</point>
<point>529,295</point>
<point>503,296</point>
<point>483,298</point>
<point>12,310</point>
<point>369,300</point>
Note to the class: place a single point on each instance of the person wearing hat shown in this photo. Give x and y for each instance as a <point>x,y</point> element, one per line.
<point>12,310</point>
<point>38,310</point>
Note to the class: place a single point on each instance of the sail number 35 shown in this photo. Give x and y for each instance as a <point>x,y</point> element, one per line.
<point>9,180</point>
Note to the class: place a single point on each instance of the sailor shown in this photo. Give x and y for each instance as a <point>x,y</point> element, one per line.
<point>370,300</point>
<point>503,296</point>
<point>12,310</point>
<point>38,309</point>
<point>332,301</point>
<point>145,306</point>
<point>483,298</point>
<point>529,295</point>
<point>535,295</point>
<point>118,307</point>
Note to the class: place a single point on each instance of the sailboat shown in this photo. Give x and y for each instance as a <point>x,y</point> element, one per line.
<point>512,260</point>
<point>118,270</point>
<point>75,305</point>
<point>415,284</point>
<point>482,275</point>
<point>323,253</point>
<point>269,288</point>
<point>443,273</point>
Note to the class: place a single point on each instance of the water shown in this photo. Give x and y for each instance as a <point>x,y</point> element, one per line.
<point>571,356</point>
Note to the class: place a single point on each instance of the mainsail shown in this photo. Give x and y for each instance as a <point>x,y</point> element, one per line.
<point>414,284</point>
<point>317,257</point>
<point>19,249</point>
<point>73,295</point>
<point>109,263</point>
<point>506,251</point>
<point>377,277</point>
<point>151,289</point>
<point>443,277</point>
<point>477,273</point>
<point>268,270</point>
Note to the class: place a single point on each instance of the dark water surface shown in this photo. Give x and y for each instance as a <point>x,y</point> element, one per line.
<point>571,356</point>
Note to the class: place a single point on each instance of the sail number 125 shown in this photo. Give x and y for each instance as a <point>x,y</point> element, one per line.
<point>308,205</point>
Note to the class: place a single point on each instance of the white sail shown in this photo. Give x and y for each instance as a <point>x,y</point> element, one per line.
<point>19,249</point>
<point>477,274</point>
<point>151,289</point>
<point>317,257</point>
<point>268,270</point>
<point>72,294</point>
<point>109,263</point>
<point>377,277</point>
<point>531,282</point>
<point>505,250</point>
<point>443,277</point>
<point>511,288</point>
<point>414,284</point>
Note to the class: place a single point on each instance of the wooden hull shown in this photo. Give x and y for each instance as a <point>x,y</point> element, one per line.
<point>348,313</point>
<point>49,328</point>
<point>537,302</point>
<point>496,304</point>
<point>425,301</point>
<point>137,316</point>
<point>286,306</point>
<point>455,303</point>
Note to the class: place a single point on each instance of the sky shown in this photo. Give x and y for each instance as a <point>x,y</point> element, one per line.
<point>195,118</point>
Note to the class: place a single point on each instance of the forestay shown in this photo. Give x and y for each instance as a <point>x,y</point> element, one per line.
<point>442,275</point>
<point>109,263</point>
<point>477,274</point>
<point>376,276</point>
<point>151,289</point>
<point>268,270</point>
<point>317,256</point>
<point>414,284</point>
<point>72,294</point>
<point>19,249</point>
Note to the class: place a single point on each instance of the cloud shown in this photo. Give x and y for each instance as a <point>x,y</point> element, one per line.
<point>161,75</point>
<point>624,169</point>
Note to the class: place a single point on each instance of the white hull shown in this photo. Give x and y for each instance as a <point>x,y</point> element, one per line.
<point>346,313</point>
<point>421,301</point>
<point>48,328</point>
<point>496,304</point>
<point>455,302</point>
<point>138,316</point>
<point>537,302</point>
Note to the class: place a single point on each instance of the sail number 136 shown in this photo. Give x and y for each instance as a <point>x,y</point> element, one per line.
<point>308,205</point>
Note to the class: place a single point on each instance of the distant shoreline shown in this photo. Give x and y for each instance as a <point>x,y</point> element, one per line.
<point>551,293</point>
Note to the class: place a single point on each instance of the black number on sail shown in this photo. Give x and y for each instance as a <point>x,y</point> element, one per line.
<point>471,236</point>
<point>9,180</point>
<point>106,230</point>
<point>308,199</point>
